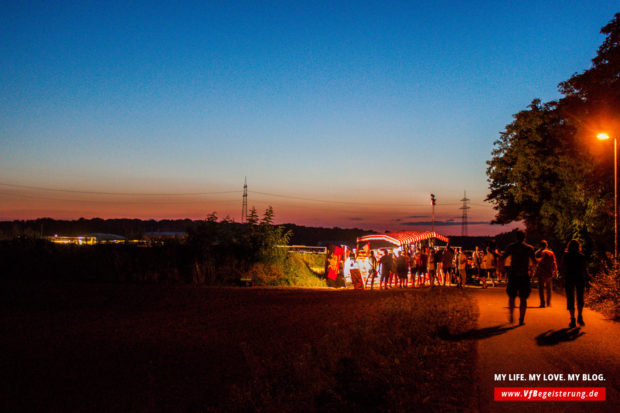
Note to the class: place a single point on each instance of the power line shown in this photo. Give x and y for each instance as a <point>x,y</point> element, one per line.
<point>268,194</point>
<point>244,202</point>
<point>338,202</point>
<point>465,207</point>
<point>75,191</point>
<point>109,201</point>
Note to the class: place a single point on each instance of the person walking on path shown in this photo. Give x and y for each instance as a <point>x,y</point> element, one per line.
<point>546,270</point>
<point>522,258</point>
<point>575,277</point>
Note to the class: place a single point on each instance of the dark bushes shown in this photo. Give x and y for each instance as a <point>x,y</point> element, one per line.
<point>604,294</point>
<point>214,253</point>
<point>36,259</point>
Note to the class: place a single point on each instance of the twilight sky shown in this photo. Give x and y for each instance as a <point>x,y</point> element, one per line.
<point>339,113</point>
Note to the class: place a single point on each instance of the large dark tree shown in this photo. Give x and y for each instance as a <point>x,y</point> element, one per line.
<point>548,170</point>
<point>598,86</point>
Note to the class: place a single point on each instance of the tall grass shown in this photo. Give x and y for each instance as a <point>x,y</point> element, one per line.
<point>388,357</point>
<point>293,269</point>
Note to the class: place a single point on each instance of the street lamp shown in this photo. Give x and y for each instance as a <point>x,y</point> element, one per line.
<point>605,136</point>
<point>433,202</point>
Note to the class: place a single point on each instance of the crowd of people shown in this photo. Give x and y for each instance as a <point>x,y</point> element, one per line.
<point>410,267</point>
<point>429,266</point>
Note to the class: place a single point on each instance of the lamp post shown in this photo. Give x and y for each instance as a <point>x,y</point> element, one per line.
<point>433,201</point>
<point>606,136</point>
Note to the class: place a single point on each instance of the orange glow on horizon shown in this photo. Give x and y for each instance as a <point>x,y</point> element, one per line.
<point>32,203</point>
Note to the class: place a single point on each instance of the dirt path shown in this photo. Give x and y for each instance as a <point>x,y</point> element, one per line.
<point>544,345</point>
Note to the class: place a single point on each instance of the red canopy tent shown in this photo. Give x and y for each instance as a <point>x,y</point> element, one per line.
<point>403,237</point>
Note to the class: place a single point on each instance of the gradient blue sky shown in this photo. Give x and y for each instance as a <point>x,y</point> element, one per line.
<point>355,111</point>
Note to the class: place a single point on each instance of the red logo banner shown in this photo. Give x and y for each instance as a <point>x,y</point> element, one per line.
<point>549,393</point>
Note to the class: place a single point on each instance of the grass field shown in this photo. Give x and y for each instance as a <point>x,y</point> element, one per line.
<point>87,347</point>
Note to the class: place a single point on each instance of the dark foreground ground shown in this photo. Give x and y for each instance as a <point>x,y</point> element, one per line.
<point>85,347</point>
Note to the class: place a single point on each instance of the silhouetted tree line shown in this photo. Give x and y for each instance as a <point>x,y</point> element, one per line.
<point>215,252</point>
<point>129,228</point>
<point>136,228</point>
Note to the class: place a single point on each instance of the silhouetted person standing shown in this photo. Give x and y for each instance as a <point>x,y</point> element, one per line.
<point>461,269</point>
<point>500,265</point>
<point>372,269</point>
<point>575,276</point>
<point>386,267</point>
<point>546,269</point>
<point>423,268</point>
<point>488,266</point>
<point>477,259</point>
<point>401,269</point>
<point>446,260</point>
<point>416,266</point>
<point>522,256</point>
<point>431,267</point>
<point>439,265</point>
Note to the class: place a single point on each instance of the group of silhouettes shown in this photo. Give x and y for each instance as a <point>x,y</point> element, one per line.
<point>523,257</point>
